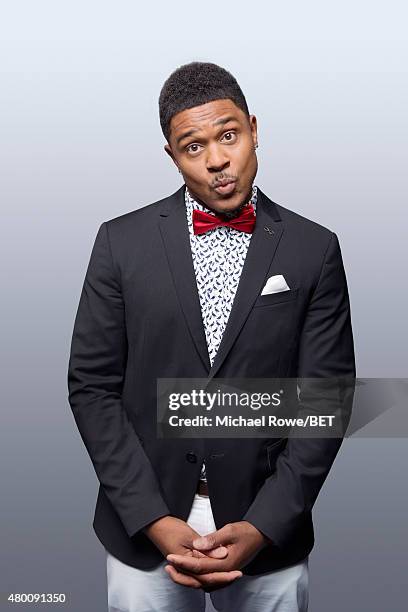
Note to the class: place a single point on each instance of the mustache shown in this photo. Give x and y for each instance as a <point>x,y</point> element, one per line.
<point>223,176</point>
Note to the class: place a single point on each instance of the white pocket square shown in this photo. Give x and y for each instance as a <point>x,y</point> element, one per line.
<point>274,284</point>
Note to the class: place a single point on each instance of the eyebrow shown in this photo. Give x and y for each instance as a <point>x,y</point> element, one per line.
<point>222,121</point>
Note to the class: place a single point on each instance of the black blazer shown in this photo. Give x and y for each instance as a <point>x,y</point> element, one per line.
<point>139,319</point>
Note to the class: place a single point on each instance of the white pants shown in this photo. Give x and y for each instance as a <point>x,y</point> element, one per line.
<point>134,590</point>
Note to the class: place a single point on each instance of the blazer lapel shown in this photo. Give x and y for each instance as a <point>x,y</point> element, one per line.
<point>262,247</point>
<point>174,230</point>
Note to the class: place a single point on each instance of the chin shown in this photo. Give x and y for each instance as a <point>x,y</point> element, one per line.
<point>225,206</point>
<point>231,206</point>
<point>230,203</point>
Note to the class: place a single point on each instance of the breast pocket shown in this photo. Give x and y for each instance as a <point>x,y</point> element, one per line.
<point>276,298</point>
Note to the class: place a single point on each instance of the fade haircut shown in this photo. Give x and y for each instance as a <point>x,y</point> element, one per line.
<point>195,84</point>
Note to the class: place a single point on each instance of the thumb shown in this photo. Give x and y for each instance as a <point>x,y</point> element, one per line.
<point>218,553</point>
<point>209,541</point>
<point>214,553</point>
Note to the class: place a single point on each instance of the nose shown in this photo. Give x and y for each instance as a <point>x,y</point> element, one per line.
<point>216,159</point>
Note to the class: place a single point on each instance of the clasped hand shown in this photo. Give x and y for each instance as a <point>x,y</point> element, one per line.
<point>208,562</point>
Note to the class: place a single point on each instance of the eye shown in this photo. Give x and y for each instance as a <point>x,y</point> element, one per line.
<point>193,148</point>
<point>230,136</point>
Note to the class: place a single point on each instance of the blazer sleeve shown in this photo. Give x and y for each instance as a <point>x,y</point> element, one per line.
<point>325,350</point>
<point>95,379</point>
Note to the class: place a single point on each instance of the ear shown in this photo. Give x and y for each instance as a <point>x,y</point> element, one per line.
<point>254,128</point>
<point>169,152</point>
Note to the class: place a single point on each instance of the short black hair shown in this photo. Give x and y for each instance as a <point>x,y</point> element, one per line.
<point>195,84</point>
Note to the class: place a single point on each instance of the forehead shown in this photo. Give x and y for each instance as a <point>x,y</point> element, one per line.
<point>205,116</point>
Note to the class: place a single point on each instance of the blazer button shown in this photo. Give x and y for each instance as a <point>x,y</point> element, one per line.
<point>191,457</point>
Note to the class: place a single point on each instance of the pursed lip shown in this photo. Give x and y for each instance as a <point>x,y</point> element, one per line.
<point>223,182</point>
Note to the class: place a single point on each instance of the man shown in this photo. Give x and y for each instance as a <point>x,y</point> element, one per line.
<point>180,289</point>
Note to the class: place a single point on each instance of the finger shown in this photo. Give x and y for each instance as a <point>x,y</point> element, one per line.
<point>215,538</point>
<point>208,582</point>
<point>217,553</point>
<point>217,580</point>
<point>195,553</point>
<point>211,540</point>
<point>181,578</point>
<point>197,565</point>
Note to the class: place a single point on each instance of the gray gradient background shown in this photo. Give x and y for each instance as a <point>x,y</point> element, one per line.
<point>81,143</point>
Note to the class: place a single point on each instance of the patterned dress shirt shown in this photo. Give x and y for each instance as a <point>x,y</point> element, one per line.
<point>218,258</point>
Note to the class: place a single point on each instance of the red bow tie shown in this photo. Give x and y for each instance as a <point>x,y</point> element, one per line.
<point>203,222</point>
